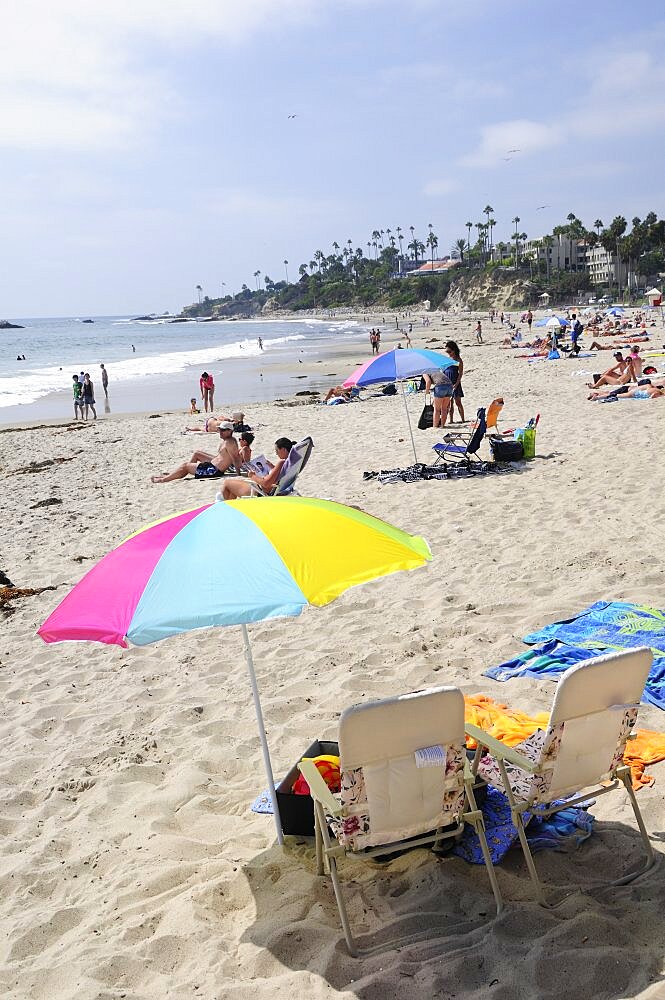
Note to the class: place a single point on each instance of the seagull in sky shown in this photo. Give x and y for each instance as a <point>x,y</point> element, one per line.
<point>292,116</point>
<point>514,150</point>
<point>540,207</point>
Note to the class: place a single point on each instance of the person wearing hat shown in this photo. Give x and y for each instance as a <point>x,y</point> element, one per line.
<point>204,466</point>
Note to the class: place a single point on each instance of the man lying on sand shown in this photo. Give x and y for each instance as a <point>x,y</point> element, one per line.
<point>213,424</point>
<point>645,390</point>
<point>204,466</point>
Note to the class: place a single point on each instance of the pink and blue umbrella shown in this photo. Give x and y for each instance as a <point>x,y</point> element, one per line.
<point>399,366</point>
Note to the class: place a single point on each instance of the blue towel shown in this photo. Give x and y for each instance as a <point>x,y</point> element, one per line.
<point>560,832</point>
<point>600,628</point>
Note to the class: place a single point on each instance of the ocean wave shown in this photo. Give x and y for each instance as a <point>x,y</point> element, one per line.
<point>29,386</point>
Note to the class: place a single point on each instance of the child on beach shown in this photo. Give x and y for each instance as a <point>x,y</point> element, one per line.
<point>193,408</point>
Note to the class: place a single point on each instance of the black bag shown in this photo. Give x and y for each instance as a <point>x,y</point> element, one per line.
<point>506,451</point>
<point>390,389</point>
<point>426,417</point>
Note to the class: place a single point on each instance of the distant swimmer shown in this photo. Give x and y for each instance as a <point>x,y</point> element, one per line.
<point>133,349</point>
<point>260,343</point>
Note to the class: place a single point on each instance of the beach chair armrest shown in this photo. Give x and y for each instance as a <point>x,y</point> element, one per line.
<point>318,788</point>
<point>499,749</point>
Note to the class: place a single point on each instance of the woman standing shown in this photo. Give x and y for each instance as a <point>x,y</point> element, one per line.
<point>207,391</point>
<point>442,390</point>
<point>455,375</point>
<point>88,396</point>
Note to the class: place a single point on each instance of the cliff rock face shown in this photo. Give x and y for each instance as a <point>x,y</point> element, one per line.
<point>492,290</point>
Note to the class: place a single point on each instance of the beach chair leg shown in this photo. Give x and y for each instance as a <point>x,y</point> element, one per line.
<point>327,847</point>
<point>521,833</point>
<point>624,774</point>
<point>318,841</point>
<point>478,824</point>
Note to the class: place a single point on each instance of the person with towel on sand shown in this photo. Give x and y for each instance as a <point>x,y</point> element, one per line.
<point>204,466</point>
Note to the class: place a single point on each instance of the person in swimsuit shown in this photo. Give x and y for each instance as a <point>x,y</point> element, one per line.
<point>245,449</point>
<point>455,376</point>
<point>207,385</point>
<point>234,488</point>
<point>204,466</point>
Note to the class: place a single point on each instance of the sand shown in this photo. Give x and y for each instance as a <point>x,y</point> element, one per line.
<point>131,865</point>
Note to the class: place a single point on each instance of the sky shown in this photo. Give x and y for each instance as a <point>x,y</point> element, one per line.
<point>147,147</point>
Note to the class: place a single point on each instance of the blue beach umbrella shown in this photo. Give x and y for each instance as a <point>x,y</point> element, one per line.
<point>398,366</point>
<point>614,311</point>
<point>553,321</point>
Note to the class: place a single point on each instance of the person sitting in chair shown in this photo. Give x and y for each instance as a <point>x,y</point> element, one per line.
<point>235,488</point>
<point>204,466</point>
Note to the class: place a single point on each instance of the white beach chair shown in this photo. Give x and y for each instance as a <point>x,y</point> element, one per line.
<point>389,801</point>
<point>595,707</point>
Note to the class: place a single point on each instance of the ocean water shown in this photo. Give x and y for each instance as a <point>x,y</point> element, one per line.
<point>153,363</point>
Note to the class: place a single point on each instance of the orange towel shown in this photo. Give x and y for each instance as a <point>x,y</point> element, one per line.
<point>511,727</point>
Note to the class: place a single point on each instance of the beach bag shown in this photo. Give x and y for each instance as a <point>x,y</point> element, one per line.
<point>426,417</point>
<point>527,438</point>
<point>390,389</point>
<point>506,451</point>
<point>553,356</point>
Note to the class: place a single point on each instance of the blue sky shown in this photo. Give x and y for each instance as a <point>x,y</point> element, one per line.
<point>145,146</point>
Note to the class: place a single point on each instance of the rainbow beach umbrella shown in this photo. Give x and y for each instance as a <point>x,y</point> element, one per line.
<point>231,563</point>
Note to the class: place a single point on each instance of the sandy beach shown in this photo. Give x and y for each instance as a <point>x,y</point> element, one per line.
<point>131,864</point>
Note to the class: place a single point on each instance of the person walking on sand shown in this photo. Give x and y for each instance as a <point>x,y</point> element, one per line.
<point>529,319</point>
<point>105,381</point>
<point>78,397</point>
<point>204,466</point>
<point>479,332</point>
<point>207,384</point>
<point>88,396</point>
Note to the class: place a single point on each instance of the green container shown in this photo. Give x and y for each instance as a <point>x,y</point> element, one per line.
<point>529,442</point>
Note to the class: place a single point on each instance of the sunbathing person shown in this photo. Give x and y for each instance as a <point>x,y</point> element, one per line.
<point>245,449</point>
<point>234,488</point>
<point>204,466</point>
<point>212,424</point>
<point>645,390</point>
<point>616,375</point>
<point>338,392</point>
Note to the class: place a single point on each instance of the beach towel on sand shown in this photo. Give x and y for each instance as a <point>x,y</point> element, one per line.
<point>600,628</point>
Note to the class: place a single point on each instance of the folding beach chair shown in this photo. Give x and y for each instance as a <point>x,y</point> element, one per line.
<point>595,707</point>
<point>405,782</point>
<point>296,461</point>
<point>463,446</point>
<point>493,414</point>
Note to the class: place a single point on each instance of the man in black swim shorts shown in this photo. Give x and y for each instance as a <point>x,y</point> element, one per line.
<point>204,466</point>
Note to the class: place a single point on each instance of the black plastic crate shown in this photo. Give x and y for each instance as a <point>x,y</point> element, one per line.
<point>297,811</point>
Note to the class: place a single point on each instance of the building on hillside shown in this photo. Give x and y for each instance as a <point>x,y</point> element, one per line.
<point>434,267</point>
<point>604,268</point>
<point>557,253</point>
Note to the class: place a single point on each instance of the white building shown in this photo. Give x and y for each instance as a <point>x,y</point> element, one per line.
<point>557,253</point>
<point>604,268</point>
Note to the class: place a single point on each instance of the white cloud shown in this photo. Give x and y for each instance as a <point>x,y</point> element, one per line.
<point>438,187</point>
<point>73,73</point>
<point>511,139</point>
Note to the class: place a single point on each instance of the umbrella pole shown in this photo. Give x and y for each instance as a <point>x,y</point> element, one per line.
<point>262,734</point>
<point>408,420</point>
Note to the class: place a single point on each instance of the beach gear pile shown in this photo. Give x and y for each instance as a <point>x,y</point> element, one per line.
<point>419,471</point>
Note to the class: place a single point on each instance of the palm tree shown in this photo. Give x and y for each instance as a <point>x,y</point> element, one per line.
<point>516,221</point>
<point>432,242</point>
<point>302,270</point>
<point>488,210</point>
<point>491,224</point>
<point>286,270</point>
<point>256,277</point>
<point>199,289</point>
<point>548,242</point>
<point>480,226</point>
<point>469,227</point>
<point>598,225</point>
<point>458,248</point>
<point>399,239</point>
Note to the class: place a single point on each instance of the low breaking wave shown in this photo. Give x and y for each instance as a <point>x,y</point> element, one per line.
<point>31,385</point>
